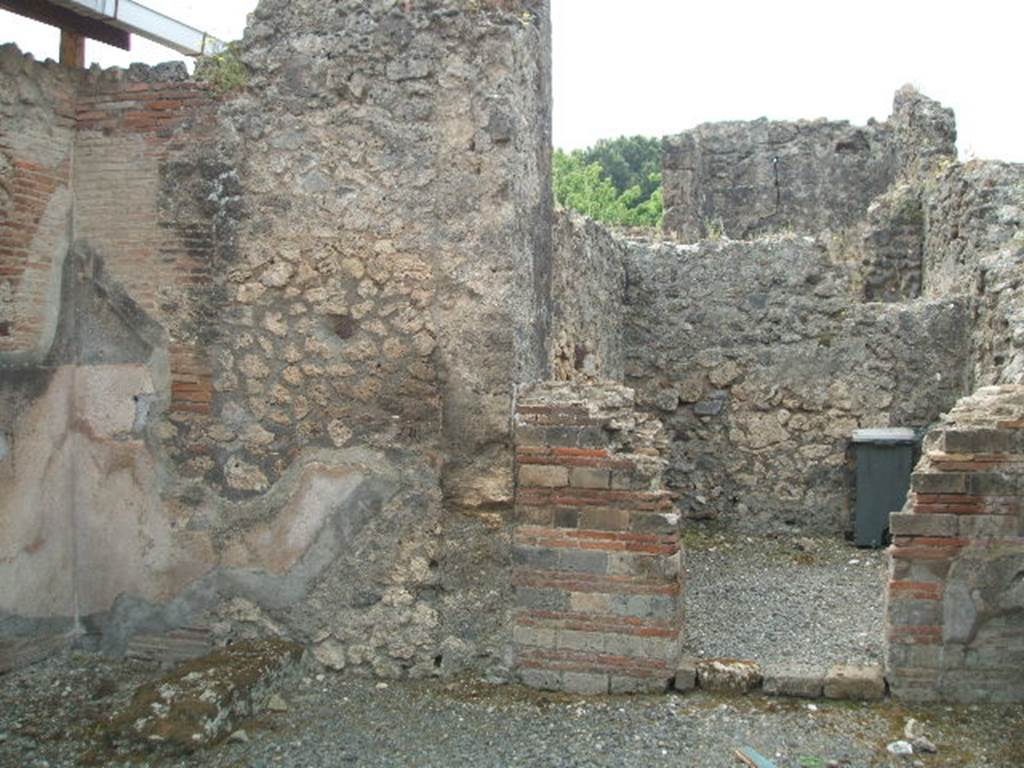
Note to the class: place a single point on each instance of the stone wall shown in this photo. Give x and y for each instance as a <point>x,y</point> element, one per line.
<point>747,179</point>
<point>974,216</point>
<point>288,334</point>
<point>761,366</point>
<point>588,283</point>
<point>955,611</point>
<point>596,562</point>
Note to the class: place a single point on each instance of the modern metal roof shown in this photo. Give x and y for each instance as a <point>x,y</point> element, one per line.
<point>109,20</point>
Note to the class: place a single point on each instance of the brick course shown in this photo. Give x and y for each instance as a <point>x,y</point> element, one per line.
<point>596,565</point>
<point>955,630</point>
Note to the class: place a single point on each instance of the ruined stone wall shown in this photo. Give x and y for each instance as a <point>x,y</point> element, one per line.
<point>955,601</point>
<point>747,179</point>
<point>974,216</point>
<point>293,319</point>
<point>761,366</point>
<point>588,283</point>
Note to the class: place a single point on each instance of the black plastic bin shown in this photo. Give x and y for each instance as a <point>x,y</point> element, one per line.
<point>884,459</point>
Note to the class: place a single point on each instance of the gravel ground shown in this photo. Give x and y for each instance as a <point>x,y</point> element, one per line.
<point>816,601</point>
<point>334,721</point>
<point>770,599</point>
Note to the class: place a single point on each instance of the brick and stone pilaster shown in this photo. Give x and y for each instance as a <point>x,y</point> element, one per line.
<point>955,602</point>
<point>596,543</point>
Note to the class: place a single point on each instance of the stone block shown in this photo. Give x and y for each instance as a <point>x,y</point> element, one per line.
<point>914,613</point>
<point>629,684</point>
<point>574,640</point>
<point>539,637</point>
<point>589,477</point>
<point>855,683</point>
<point>938,482</point>
<point>565,518</point>
<point>911,524</point>
<point>794,680</point>
<point>993,484</point>
<point>541,679</point>
<point>976,441</point>
<point>686,674</point>
<point>209,696</point>
<point>535,557</point>
<point>583,561</point>
<point>654,522</point>
<point>729,675</point>
<point>604,519</point>
<point>587,683</point>
<point>543,475</point>
<point>915,656</point>
<point>660,648</point>
<point>539,599</point>
<point>589,602</point>
<point>663,567</point>
<point>644,606</point>
<point>989,526</point>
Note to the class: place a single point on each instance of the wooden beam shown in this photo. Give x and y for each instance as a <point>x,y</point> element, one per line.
<point>66,20</point>
<point>72,48</point>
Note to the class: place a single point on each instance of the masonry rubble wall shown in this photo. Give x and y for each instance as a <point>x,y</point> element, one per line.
<point>314,296</point>
<point>262,354</point>
<point>588,284</point>
<point>761,366</point>
<point>752,178</point>
<point>974,217</point>
<point>955,603</point>
<point>596,561</point>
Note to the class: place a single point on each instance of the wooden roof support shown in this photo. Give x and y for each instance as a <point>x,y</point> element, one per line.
<point>72,48</point>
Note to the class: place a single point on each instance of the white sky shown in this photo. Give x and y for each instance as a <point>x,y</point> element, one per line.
<point>656,67</point>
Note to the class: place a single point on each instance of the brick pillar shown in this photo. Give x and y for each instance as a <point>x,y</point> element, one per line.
<point>955,602</point>
<point>596,543</point>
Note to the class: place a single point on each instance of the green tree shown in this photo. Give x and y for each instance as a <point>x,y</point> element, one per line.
<point>628,161</point>
<point>586,186</point>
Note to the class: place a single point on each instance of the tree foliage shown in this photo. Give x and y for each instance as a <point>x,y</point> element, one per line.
<point>617,181</point>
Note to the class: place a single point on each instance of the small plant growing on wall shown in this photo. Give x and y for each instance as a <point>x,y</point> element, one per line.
<point>224,72</point>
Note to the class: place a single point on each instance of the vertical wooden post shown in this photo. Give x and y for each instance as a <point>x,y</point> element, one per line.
<point>72,48</point>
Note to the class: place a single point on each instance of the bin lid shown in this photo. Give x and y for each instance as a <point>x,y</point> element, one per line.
<point>885,435</point>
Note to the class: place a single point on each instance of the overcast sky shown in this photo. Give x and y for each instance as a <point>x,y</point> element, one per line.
<point>660,66</point>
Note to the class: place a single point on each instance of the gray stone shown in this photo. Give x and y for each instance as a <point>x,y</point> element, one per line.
<point>686,674</point>
<point>729,675</point>
<point>794,680</point>
<point>587,683</point>
<point>543,475</point>
<point>855,683</point>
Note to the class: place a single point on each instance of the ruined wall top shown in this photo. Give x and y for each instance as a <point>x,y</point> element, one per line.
<point>744,179</point>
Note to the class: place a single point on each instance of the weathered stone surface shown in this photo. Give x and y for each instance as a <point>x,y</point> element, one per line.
<point>955,609</point>
<point>773,353</point>
<point>348,258</point>
<point>794,680</point>
<point>746,179</point>
<point>686,674</point>
<point>588,281</point>
<point>855,683</point>
<point>728,675</point>
<point>202,701</point>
